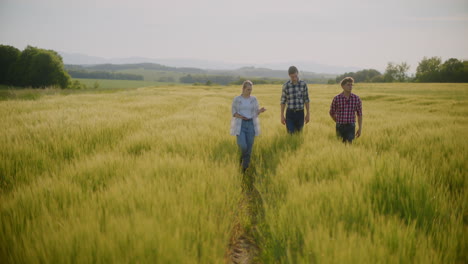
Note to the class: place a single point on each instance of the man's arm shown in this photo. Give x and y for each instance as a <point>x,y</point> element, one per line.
<point>359,114</point>
<point>283,119</point>
<point>283,103</point>
<point>358,133</point>
<point>306,102</point>
<point>333,110</point>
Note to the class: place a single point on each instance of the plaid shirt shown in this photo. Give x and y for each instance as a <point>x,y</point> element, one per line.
<point>295,95</point>
<point>345,109</point>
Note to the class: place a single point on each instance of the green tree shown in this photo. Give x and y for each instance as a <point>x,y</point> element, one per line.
<point>187,79</point>
<point>396,72</point>
<point>8,57</point>
<point>21,70</point>
<point>75,84</point>
<point>402,72</point>
<point>365,75</point>
<point>452,71</point>
<point>39,68</point>
<point>428,70</point>
<point>465,72</point>
<point>390,72</point>
<point>377,79</point>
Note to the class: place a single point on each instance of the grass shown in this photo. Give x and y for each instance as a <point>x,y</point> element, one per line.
<point>103,86</point>
<point>150,175</point>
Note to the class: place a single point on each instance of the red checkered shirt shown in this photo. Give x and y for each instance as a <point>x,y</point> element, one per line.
<point>345,109</point>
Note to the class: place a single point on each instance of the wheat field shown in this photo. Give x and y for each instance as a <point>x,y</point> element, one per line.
<point>150,175</point>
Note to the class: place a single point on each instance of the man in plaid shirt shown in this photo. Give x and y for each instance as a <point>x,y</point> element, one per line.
<point>296,94</point>
<point>343,111</point>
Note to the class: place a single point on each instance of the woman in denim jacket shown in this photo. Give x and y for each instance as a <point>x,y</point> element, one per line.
<point>245,124</point>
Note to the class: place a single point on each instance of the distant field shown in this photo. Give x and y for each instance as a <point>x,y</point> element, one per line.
<point>155,76</point>
<point>149,175</point>
<point>119,84</point>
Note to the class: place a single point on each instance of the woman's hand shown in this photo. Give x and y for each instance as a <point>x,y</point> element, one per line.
<point>263,109</point>
<point>240,116</point>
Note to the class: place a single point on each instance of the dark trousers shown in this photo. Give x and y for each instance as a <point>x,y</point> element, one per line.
<point>346,132</point>
<point>294,120</point>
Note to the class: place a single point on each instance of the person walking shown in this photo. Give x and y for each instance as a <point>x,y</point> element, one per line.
<point>343,110</point>
<point>245,124</point>
<point>295,94</point>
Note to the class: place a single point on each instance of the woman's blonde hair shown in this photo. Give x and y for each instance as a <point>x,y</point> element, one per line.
<point>247,83</point>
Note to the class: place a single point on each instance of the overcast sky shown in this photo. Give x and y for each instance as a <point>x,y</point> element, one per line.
<point>366,33</point>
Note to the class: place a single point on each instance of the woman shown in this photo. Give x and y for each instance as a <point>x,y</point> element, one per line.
<point>244,123</point>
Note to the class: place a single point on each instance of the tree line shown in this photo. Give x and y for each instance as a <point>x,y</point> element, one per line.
<point>83,74</point>
<point>433,70</point>
<point>32,67</point>
<point>429,70</point>
<point>208,79</point>
<point>35,67</point>
<point>144,66</point>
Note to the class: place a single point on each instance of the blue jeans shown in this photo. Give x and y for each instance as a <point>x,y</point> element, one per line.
<point>294,121</point>
<point>346,132</point>
<point>245,142</point>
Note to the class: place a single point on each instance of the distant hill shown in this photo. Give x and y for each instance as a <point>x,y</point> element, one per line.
<point>306,66</point>
<point>162,73</point>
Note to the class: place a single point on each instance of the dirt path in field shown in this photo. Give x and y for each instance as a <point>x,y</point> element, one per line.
<point>246,236</point>
<point>243,244</point>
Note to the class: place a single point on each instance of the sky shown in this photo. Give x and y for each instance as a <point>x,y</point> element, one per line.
<point>358,33</point>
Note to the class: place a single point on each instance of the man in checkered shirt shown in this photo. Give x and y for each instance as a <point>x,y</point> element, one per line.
<point>295,94</point>
<point>343,111</point>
